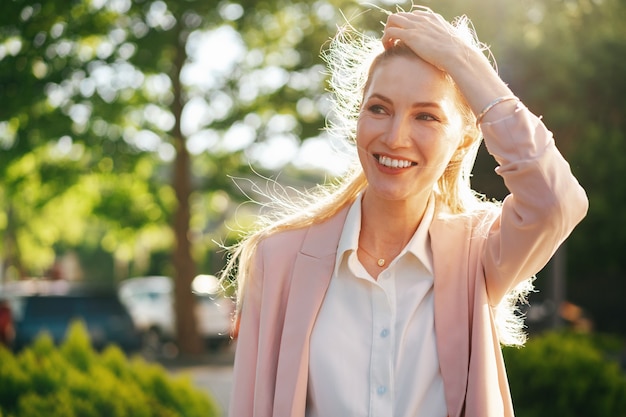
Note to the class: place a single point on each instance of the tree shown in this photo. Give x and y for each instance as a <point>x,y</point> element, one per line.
<point>106,88</point>
<point>122,120</point>
<point>568,67</point>
<point>72,175</point>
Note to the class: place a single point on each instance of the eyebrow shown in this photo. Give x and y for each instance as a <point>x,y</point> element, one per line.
<point>419,104</point>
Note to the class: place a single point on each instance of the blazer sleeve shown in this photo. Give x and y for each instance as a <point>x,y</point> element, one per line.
<point>545,202</point>
<point>247,358</point>
<point>262,321</point>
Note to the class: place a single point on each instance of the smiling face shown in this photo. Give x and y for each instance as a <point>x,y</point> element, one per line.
<point>409,128</point>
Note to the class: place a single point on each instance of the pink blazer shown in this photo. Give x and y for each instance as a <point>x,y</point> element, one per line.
<point>477,259</point>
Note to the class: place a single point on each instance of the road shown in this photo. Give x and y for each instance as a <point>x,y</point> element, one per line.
<point>217,381</point>
<point>210,373</point>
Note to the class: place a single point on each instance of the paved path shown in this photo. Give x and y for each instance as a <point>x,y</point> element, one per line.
<point>214,380</point>
<point>210,373</point>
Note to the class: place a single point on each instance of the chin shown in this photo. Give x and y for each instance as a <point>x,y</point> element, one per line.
<point>389,193</point>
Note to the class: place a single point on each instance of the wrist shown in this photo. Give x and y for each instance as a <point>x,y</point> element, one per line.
<point>491,107</point>
<point>478,80</point>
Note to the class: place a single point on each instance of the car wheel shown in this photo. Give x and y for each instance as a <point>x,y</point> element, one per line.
<point>152,342</point>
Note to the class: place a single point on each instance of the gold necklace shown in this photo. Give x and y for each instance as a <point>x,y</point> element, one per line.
<point>379,261</point>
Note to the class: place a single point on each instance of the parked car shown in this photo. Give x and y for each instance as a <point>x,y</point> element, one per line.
<point>6,323</point>
<point>150,301</point>
<point>106,318</point>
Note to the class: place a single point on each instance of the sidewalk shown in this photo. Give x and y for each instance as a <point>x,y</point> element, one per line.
<point>211,372</point>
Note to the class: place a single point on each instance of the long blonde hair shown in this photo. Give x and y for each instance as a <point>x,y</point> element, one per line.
<point>351,58</point>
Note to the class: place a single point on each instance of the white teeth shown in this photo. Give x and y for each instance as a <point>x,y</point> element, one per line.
<point>394,163</point>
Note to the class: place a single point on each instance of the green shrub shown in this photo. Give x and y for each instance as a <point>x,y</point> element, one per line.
<point>567,374</point>
<point>74,380</point>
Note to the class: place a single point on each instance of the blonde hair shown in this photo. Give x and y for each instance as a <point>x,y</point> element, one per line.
<point>351,57</point>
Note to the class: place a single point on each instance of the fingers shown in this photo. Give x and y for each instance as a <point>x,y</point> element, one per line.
<point>394,29</point>
<point>427,34</point>
<point>402,26</point>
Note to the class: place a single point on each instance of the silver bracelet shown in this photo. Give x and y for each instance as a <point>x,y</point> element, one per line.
<point>491,105</point>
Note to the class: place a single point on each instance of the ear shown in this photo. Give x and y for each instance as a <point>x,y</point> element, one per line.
<point>465,144</point>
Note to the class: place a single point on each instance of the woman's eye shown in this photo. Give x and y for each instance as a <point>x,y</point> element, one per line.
<point>376,109</point>
<point>427,117</point>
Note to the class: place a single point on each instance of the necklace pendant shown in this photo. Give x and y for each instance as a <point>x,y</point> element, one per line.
<point>381,262</point>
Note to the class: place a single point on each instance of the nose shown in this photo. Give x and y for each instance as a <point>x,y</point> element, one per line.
<point>399,132</point>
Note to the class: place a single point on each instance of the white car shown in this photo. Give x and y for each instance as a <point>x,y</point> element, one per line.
<point>150,302</point>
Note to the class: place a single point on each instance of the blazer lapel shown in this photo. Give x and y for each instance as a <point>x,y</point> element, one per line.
<point>313,269</point>
<point>451,308</point>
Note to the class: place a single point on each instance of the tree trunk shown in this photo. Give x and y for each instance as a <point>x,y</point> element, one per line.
<point>188,338</point>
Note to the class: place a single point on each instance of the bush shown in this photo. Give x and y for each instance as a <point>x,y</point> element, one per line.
<point>566,374</point>
<point>74,380</point>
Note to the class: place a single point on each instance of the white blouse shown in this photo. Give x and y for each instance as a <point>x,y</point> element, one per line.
<point>373,347</point>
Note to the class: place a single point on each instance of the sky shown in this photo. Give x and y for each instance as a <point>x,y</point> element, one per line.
<point>206,72</point>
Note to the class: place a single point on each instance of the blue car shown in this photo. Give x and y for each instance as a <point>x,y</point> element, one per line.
<point>105,317</point>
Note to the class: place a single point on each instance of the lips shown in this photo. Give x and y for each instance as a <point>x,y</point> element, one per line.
<point>394,163</point>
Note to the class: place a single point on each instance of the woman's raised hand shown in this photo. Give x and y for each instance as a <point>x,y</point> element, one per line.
<point>430,36</point>
<point>455,51</point>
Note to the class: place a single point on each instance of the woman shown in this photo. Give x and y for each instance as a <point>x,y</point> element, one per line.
<point>391,294</point>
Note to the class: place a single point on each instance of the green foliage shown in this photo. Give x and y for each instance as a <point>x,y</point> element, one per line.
<point>74,380</point>
<point>567,374</point>
<point>94,92</point>
<point>573,76</point>
<point>66,138</point>
<point>596,250</point>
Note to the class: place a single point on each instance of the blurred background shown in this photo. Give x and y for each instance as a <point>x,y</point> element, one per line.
<point>134,133</point>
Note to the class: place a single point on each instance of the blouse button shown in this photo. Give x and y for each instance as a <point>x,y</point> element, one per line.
<point>381,390</point>
<point>384,333</point>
